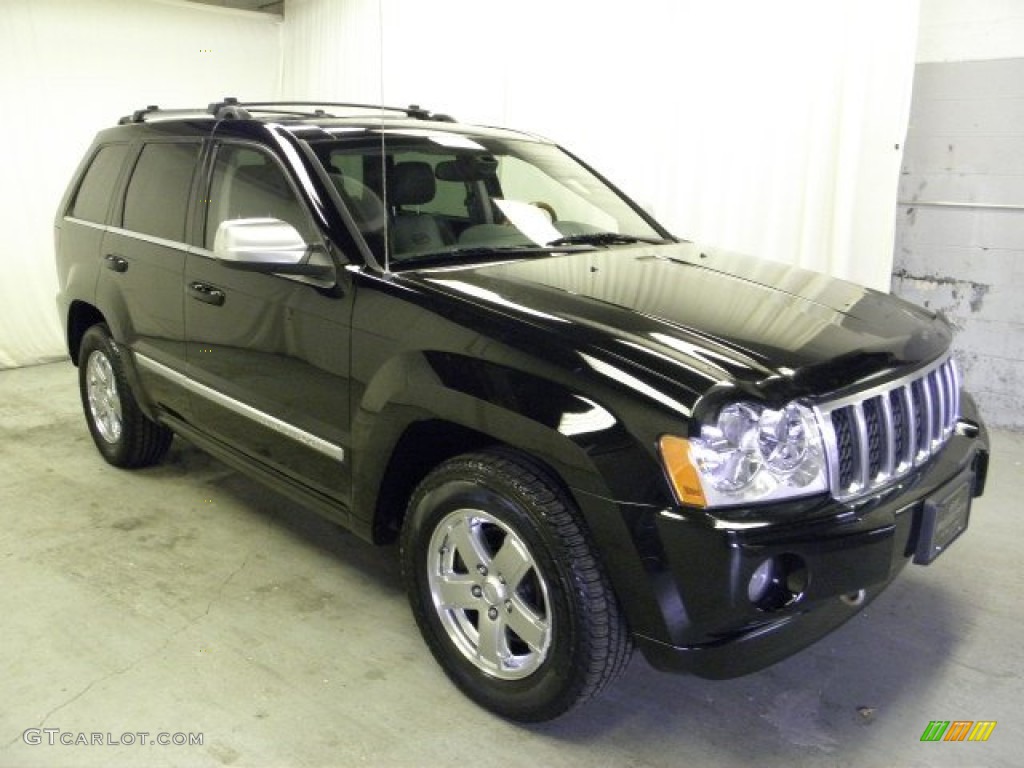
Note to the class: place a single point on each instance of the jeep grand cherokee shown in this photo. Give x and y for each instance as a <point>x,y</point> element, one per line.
<point>587,434</point>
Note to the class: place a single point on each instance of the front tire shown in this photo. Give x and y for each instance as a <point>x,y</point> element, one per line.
<point>123,434</point>
<point>506,589</point>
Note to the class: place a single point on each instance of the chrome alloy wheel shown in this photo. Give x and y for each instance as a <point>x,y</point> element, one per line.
<point>489,594</point>
<point>104,400</point>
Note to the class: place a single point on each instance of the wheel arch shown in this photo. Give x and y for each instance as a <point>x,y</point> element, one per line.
<point>81,317</point>
<point>420,410</point>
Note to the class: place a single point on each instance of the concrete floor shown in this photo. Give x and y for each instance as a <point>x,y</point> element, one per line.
<point>187,599</point>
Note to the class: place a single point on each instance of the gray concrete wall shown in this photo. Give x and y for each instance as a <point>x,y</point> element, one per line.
<point>960,224</point>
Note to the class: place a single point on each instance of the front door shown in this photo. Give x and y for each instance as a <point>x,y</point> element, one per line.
<point>269,354</point>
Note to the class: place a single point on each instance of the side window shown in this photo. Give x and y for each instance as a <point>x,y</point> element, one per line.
<point>93,197</point>
<point>157,198</point>
<point>249,184</point>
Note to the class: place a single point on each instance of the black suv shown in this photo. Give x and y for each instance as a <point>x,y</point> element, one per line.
<point>586,434</point>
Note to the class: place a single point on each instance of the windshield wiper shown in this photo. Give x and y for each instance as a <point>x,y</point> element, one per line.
<point>471,253</point>
<point>604,238</point>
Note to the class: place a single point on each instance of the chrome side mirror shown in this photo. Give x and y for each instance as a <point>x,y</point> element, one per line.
<point>251,242</point>
<point>268,245</point>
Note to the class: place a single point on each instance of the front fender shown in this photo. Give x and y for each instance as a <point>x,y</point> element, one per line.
<point>565,429</point>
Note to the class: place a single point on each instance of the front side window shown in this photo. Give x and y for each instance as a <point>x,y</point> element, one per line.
<point>157,198</point>
<point>92,200</point>
<point>249,184</point>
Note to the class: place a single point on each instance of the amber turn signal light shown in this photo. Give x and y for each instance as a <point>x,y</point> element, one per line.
<point>676,453</point>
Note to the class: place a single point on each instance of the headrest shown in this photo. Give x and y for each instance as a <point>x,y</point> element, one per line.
<point>411,183</point>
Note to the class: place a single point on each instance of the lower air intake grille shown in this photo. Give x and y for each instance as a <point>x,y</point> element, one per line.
<point>881,435</point>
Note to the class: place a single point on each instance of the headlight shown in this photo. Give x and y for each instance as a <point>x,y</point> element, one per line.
<point>750,454</point>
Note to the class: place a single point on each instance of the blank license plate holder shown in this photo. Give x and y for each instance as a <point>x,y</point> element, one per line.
<point>944,517</point>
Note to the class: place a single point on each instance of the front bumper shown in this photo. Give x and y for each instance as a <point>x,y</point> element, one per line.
<point>837,557</point>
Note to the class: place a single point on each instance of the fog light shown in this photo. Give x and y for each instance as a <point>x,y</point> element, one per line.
<point>778,582</point>
<point>854,598</point>
<point>761,581</point>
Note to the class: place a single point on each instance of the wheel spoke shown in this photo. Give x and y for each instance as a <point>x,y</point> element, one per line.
<point>531,628</point>
<point>454,591</point>
<point>492,647</point>
<point>465,539</point>
<point>512,562</point>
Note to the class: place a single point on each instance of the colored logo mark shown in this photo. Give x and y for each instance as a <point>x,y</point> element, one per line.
<point>958,730</point>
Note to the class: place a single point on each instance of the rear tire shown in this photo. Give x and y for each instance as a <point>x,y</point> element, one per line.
<point>123,434</point>
<point>506,589</point>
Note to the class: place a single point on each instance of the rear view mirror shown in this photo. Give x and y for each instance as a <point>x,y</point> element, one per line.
<point>265,245</point>
<point>467,168</point>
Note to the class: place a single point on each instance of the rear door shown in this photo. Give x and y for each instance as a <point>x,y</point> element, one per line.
<point>143,266</point>
<point>268,354</point>
<point>80,231</point>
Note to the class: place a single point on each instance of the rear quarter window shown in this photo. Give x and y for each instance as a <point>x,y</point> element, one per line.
<point>92,200</point>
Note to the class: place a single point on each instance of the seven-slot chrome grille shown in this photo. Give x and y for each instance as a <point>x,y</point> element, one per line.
<point>878,436</point>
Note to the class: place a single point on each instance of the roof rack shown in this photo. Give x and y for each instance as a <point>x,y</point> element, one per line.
<point>140,115</point>
<point>233,109</point>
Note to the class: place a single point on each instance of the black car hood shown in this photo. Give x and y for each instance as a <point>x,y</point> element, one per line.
<point>717,316</point>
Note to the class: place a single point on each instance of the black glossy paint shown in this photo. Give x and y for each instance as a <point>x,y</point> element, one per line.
<point>582,359</point>
<point>699,317</point>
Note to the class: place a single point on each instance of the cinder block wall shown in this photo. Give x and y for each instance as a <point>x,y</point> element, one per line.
<point>960,224</point>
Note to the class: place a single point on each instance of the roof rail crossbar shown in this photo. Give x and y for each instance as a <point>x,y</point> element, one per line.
<point>141,115</point>
<point>233,109</point>
<point>275,107</point>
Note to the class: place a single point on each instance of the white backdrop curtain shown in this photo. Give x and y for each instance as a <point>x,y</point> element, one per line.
<point>69,68</point>
<point>770,128</point>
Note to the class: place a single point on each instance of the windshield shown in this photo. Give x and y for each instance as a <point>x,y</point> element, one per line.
<point>421,196</point>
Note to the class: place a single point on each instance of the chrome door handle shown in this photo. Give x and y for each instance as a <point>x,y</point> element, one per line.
<point>209,294</point>
<point>115,262</point>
